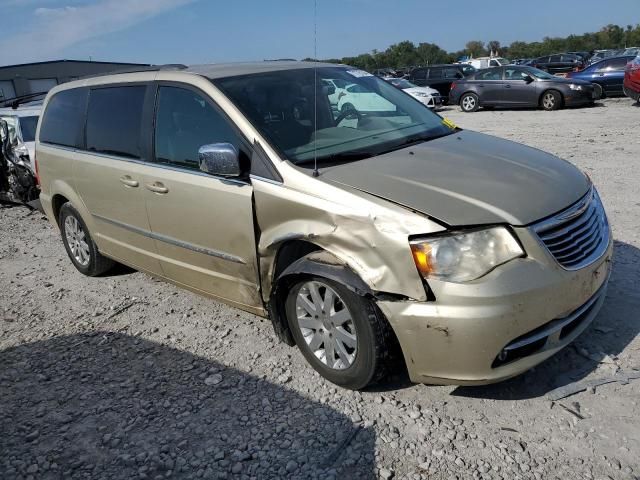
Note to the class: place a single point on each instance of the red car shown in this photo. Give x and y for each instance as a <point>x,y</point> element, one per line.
<point>631,84</point>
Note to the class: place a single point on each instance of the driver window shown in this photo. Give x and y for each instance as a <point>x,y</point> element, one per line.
<point>185,121</point>
<point>491,74</point>
<point>514,74</point>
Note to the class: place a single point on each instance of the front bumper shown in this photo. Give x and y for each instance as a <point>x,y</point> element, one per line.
<point>432,101</point>
<point>584,97</point>
<point>502,324</point>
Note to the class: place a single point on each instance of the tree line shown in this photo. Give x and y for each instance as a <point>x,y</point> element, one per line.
<point>407,53</point>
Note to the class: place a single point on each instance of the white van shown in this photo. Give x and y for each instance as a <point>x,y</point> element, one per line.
<point>486,62</point>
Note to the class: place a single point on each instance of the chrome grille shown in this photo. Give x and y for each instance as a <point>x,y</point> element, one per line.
<point>578,235</point>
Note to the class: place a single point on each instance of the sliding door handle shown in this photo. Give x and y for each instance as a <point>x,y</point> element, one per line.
<point>157,187</point>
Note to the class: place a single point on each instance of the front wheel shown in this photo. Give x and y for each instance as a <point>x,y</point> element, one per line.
<point>341,334</point>
<point>469,102</point>
<point>551,100</point>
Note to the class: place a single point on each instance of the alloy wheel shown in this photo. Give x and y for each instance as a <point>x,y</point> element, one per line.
<point>549,100</point>
<point>326,325</point>
<point>77,241</point>
<point>468,103</point>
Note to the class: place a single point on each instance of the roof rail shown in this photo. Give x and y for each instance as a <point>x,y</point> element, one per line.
<point>150,68</point>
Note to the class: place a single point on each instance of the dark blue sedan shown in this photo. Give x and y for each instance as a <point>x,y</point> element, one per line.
<point>608,73</point>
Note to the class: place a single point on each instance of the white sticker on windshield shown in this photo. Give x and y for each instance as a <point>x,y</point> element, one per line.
<point>359,73</point>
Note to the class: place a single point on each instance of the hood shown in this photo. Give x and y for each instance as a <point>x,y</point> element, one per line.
<point>468,178</point>
<point>576,81</point>
<point>427,90</point>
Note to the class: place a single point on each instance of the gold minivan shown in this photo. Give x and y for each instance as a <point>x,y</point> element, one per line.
<point>345,211</point>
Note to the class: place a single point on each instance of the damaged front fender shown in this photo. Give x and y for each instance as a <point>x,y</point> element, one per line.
<point>367,234</point>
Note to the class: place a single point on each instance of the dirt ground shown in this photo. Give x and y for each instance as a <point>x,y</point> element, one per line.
<point>127,377</point>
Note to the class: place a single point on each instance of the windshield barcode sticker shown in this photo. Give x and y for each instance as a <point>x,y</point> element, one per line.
<point>359,73</point>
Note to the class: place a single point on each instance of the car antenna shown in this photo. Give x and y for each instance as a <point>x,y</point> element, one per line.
<point>315,89</point>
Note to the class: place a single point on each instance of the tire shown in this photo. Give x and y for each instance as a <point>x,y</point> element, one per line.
<point>551,100</point>
<point>80,247</point>
<point>469,102</point>
<point>362,361</point>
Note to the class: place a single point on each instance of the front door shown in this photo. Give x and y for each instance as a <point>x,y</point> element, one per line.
<point>516,90</point>
<point>610,75</point>
<point>109,174</point>
<point>203,225</point>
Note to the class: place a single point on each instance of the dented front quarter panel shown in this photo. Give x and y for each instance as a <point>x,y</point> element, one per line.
<point>368,234</point>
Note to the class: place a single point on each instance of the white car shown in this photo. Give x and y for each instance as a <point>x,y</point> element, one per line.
<point>426,95</point>
<point>358,97</point>
<point>338,85</point>
<point>22,123</point>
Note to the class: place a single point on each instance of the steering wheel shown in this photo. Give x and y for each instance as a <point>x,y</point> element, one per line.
<point>349,112</point>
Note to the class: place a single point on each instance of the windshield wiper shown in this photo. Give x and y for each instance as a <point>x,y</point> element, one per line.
<point>350,156</point>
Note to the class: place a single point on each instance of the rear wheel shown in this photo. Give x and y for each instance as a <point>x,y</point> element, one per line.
<point>551,100</point>
<point>469,102</point>
<point>80,247</point>
<point>341,334</point>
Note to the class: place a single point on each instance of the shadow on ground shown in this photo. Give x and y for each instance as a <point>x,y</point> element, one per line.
<point>108,405</point>
<point>615,327</point>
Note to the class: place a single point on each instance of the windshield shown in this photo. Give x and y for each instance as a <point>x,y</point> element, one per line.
<point>365,118</point>
<point>403,84</point>
<point>28,128</point>
<point>540,74</point>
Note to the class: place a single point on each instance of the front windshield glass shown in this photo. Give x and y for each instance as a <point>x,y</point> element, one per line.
<point>540,74</point>
<point>367,117</point>
<point>502,61</point>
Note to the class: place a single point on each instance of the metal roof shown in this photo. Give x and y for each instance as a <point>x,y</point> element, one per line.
<point>90,62</point>
<point>221,70</point>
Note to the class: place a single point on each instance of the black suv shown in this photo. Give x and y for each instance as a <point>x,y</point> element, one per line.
<point>559,63</point>
<point>440,77</point>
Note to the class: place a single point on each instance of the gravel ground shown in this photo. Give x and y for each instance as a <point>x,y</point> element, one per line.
<point>128,377</point>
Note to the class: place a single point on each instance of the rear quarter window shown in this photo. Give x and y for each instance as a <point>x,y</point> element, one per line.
<point>63,118</point>
<point>114,120</point>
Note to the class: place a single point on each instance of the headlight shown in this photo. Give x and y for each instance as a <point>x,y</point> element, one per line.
<point>462,257</point>
<point>573,86</point>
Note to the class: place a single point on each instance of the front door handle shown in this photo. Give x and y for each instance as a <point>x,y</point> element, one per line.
<point>507,86</point>
<point>157,187</point>
<point>128,181</point>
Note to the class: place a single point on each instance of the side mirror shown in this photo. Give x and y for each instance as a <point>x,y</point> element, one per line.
<point>220,159</point>
<point>528,78</point>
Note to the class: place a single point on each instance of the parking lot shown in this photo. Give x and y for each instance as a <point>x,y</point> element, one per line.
<point>124,376</point>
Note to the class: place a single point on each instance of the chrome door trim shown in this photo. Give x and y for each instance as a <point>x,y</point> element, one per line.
<point>174,241</point>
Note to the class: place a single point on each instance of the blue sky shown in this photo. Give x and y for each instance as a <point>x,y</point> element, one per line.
<point>204,31</point>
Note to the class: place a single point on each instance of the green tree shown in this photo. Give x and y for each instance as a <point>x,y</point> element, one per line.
<point>430,53</point>
<point>475,48</point>
<point>494,46</point>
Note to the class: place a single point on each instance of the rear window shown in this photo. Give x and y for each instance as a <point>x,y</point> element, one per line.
<point>64,117</point>
<point>114,120</point>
